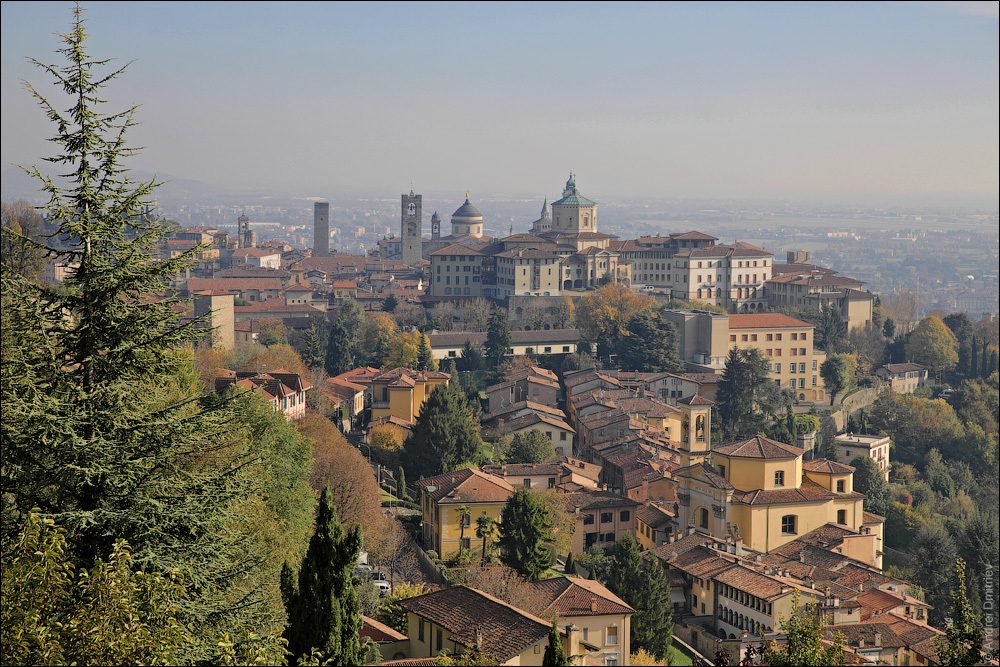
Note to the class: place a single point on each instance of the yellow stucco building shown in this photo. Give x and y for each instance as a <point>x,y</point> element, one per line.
<point>451,503</point>
<point>760,491</point>
<point>401,392</point>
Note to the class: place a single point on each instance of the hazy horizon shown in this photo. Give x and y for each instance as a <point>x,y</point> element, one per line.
<point>797,101</point>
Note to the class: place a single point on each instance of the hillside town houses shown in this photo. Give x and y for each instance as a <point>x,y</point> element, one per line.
<point>744,530</point>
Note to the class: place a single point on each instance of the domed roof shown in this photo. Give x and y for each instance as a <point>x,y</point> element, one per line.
<point>435,217</point>
<point>467,210</point>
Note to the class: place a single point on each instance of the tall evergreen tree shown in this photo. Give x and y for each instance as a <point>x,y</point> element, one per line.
<point>390,303</point>
<point>339,358</point>
<point>497,337</point>
<point>313,345</point>
<point>323,609</point>
<point>554,655</point>
<point>525,533</point>
<point>103,430</point>
<point>747,396</point>
<point>352,316</point>
<point>444,435</point>
<point>425,358</point>
<point>643,586</point>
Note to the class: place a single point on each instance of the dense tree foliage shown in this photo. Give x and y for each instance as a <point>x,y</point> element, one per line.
<point>836,374</point>
<point>933,345</point>
<point>54,613</point>
<point>747,397</point>
<point>962,643</point>
<point>531,447</point>
<point>649,345</point>
<point>322,605</point>
<point>525,534</point>
<point>643,586</point>
<point>868,479</point>
<point>443,437</point>
<point>604,314</point>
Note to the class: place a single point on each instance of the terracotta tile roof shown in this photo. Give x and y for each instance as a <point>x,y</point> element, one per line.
<point>456,249</point>
<point>653,516</point>
<point>572,596</point>
<point>466,486</point>
<point>682,545</point>
<point>809,491</point>
<point>695,400</point>
<point>706,472</point>
<point>524,421</point>
<point>588,500</point>
<point>753,582</point>
<point>878,601</point>
<point>780,268</point>
<point>826,467</point>
<point>701,562</point>
<point>523,469</point>
<point>765,321</point>
<point>871,518</point>
<point>527,405</point>
<point>693,235</point>
<point>233,284</point>
<point>378,631</point>
<point>759,447</point>
<point>467,613</point>
<point>854,633</point>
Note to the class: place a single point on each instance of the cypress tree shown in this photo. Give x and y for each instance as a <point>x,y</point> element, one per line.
<point>425,358</point>
<point>570,567</point>
<point>323,609</point>
<point>525,533</point>
<point>498,338</point>
<point>974,358</point>
<point>103,429</point>
<point>554,656</point>
<point>339,358</point>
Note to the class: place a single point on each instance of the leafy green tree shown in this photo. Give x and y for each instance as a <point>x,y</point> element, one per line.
<point>932,344</point>
<point>391,612</point>
<point>531,447</point>
<point>554,655</point>
<point>804,644</point>
<point>836,374</point>
<point>321,603</point>
<point>962,643</point>
<point>112,615</point>
<point>649,345</point>
<point>868,479</point>
<point>498,338</point>
<point>747,396</point>
<point>525,533</point>
<point>339,357</point>
<point>933,555</point>
<point>444,435</point>
<point>103,427</point>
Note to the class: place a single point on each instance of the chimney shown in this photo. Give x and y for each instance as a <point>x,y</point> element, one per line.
<point>861,643</point>
<point>593,604</point>
<point>878,639</point>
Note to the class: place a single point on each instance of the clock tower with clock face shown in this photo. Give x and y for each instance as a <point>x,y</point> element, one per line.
<point>411,229</point>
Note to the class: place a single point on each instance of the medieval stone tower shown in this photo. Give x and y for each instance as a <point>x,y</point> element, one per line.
<point>411,231</point>
<point>321,229</point>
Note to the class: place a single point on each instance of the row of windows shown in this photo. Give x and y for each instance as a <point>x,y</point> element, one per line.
<point>607,517</point>
<point>447,279</point>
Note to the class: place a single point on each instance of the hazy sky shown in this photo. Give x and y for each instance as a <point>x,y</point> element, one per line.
<point>660,100</point>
